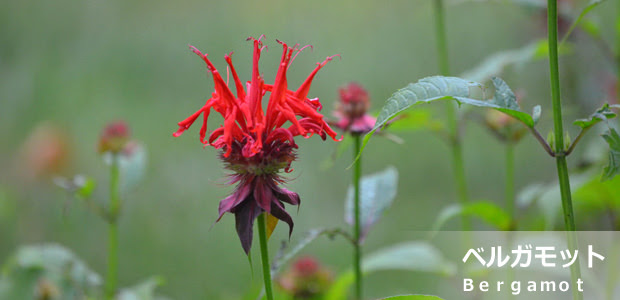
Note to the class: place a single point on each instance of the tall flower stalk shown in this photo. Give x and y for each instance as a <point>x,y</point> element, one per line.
<point>617,52</point>
<point>453,119</point>
<point>567,205</point>
<point>264,255</point>
<point>353,118</point>
<point>112,267</point>
<point>357,252</point>
<point>256,146</point>
<point>509,132</point>
<point>113,142</point>
<point>509,188</point>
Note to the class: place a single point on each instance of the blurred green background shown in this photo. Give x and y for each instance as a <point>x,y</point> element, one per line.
<point>77,65</point>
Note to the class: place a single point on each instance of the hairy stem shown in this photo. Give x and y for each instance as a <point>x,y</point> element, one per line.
<point>264,255</point>
<point>357,252</point>
<point>114,208</point>
<point>567,205</point>
<point>453,119</point>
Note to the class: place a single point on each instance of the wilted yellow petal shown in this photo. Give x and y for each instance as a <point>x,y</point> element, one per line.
<point>271,224</point>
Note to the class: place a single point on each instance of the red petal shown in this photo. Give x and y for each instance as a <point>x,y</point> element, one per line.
<point>262,194</point>
<point>245,214</point>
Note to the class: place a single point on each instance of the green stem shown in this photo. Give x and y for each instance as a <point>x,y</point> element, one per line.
<point>264,255</point>
<point>577,139</point>
<point>442,44</point>
<point>459,176</point>
<point>510,180</point>
<point>542,141</point>
<point>114,208</point>
<point>617,52</point>
<point>357,252</point>
<point>567,206</point>
<point>453,119</point>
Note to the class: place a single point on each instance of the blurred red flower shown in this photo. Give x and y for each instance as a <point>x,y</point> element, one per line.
<point>45,152</point>
<point>114,137</point>
<point>352,110</point>
<point>307,278</point>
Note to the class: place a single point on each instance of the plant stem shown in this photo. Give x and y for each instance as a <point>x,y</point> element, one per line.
<point>459,176</point>
<point>264,255</point>
<point>442,45</point>
<point>542,142</point>
<point>453,120</point>
<point>617,52</point>
<point>567,206</point>
<point>510,180</point>
<point>357,252</point>
<point>112,275</point>
<point>574,143</point>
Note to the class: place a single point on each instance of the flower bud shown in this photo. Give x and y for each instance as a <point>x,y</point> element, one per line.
<point>114,137</point>
<point>306,279</point>
<point>354,101</point>
<point>352,110</point>
<point>46,290</point>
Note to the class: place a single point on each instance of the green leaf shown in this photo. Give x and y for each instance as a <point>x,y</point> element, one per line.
<point>416,120</point>
<point>602,114</point>
<point>434,88</point>
<point>504,97</point>
<point>597,195</point>
<point>495,64</point>
<point>377,192</point>
<point>592,28</point>
<point>425,90</point>
<point>79,186</point>
<point>142,291</point>
<point>301,244</point>
<point>56,259</point>
<point>413,297</point>
<point>613,165</point>
<point>451,88</point>
<point>591,5</point>
<point>410,256</point>
<point>340,288</point>
<point>542,51</point>
<point>56,267</point>
<point>536,112</point>
<point>484,210</point>
<point>86,189</point>
<point>545,197</point>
